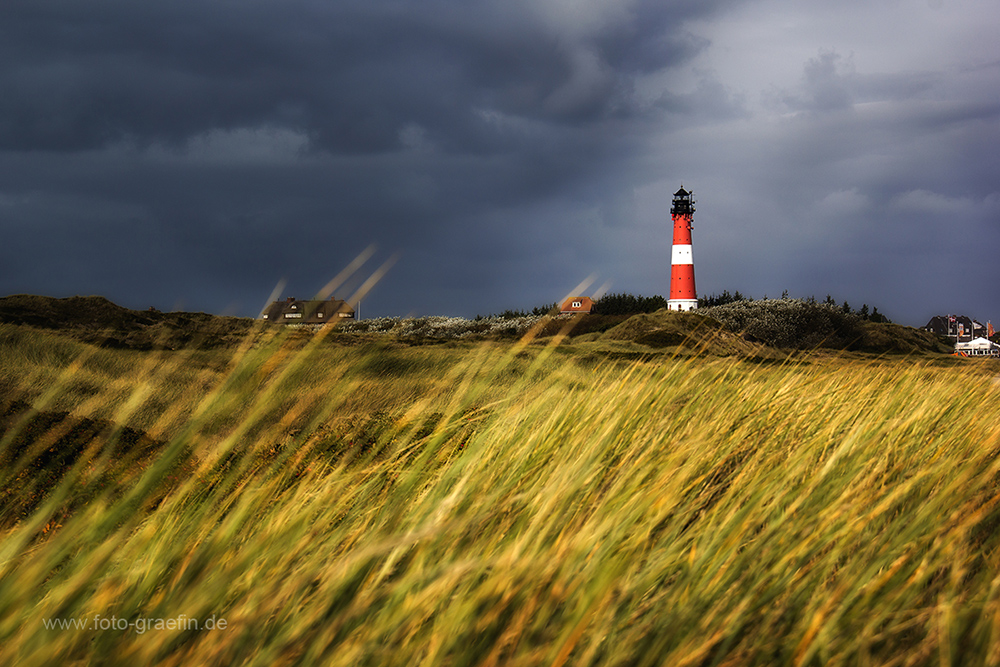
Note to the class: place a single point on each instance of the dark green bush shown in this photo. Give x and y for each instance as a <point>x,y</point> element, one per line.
<point>628,304</point>
<point>793,323</point>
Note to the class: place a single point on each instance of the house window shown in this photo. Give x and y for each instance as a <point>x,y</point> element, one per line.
<point>576,304</point>
<point>265,316</point>
<point>319,314</point>
<point>289,316</point>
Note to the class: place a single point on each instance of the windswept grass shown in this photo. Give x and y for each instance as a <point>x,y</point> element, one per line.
<point>492,503</point>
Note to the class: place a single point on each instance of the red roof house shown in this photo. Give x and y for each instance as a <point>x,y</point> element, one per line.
<point>577,304</point>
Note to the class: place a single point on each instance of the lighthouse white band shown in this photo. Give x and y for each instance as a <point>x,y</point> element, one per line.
<point>682,304</point>
<point>681,255</point>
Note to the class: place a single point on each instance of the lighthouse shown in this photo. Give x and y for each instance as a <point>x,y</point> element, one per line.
<point>682,292</point>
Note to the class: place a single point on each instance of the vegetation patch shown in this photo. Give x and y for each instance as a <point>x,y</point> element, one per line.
<point>896,339</point>
<point>608,502</point>
<point>691,330</point>
<point>96,320</point>
<point>778,323</point>
<point>46,446</point>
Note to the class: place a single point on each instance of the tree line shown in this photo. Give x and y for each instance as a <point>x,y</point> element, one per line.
<point>864,313</point>
<point>632,304</point>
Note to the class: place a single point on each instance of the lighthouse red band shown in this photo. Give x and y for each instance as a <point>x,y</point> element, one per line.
<point>682,293</point>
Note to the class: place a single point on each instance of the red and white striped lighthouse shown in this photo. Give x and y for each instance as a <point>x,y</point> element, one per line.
<point>682,292</point>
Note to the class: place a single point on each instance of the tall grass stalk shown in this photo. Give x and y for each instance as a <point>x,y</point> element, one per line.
<point>503,504</point>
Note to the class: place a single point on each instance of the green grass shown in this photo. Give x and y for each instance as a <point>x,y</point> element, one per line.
<point>498,503</point>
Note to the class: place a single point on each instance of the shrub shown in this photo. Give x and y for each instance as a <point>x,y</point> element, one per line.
<point>792,323</point>
<point>628,304</point>
<point>445,327</point>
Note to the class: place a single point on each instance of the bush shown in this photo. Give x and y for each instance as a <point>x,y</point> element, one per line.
<point>794,323</point>
<point>628,304</point>
<point>444,327</point>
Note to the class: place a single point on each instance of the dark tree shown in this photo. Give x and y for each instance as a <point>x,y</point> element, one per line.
<point>721,299</point>
<point>628,304</point>
<point>548,309</point>
<point>878,317</point>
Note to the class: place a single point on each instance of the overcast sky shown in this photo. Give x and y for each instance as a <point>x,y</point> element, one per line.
<point>192,154</point>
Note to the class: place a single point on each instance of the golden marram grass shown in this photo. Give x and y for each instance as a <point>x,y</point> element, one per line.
<point>489,503</point>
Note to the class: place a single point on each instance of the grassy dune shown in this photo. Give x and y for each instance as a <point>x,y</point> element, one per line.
<point>494,503</point>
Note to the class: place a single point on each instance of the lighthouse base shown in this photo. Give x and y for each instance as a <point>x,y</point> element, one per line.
<point>682,304</point>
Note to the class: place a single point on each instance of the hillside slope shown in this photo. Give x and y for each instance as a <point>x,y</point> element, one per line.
<point>772,325</point>
<point>750,328</point>
<point>690,330</point>
<point>398,504</point>
<point>94,319</point>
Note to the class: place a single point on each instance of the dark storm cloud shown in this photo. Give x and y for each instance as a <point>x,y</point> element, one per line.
<point>831,82</point>
<point>350,75</point>
<point>856,176</point>
<point>197,152</point>
<point>239,135</point>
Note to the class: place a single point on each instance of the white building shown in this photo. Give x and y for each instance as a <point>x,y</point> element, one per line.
<point>978,347</point>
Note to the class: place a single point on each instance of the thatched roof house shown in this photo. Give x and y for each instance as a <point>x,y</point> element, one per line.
<point>295,311</point>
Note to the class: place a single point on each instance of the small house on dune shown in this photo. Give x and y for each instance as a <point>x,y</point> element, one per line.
<point>959,328</point>
<point>577,304</point>
<point>295,311</point>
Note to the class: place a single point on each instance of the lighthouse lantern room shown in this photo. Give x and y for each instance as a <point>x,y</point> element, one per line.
<point>682,292</point>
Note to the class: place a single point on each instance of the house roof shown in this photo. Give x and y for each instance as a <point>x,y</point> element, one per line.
<point>296,311</point>
<point>941,323</point>
<point>586,305</point>
<point>976,343</point>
